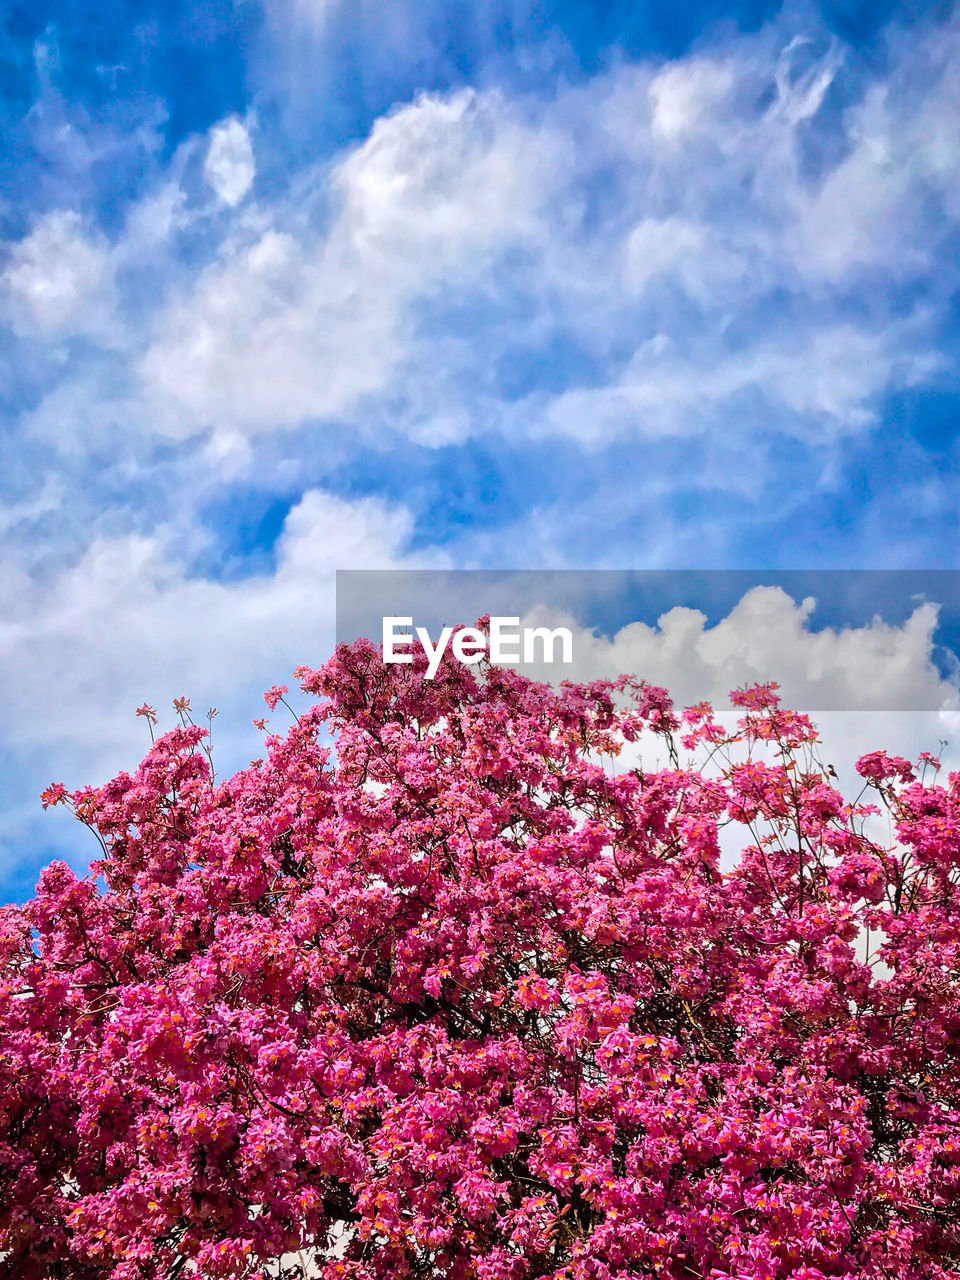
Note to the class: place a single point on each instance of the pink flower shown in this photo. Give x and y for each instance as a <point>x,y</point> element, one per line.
<point>878,766</point>
<point>428,981</point>
<point>274,695</point>
<point>55,794</point>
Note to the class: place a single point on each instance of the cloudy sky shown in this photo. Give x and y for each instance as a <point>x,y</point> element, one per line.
<point>296,285</point>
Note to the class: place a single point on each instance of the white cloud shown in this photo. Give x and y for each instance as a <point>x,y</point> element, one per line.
<point>126,623</point>
<point>686,92</point>
<point>658,217</point>
<point>801,89</point>
<point>711,213</point>
<point>769,636</point>
<point>283,329</point>
<point>229,166</point>
<point>55,277</point>
<point>674,246</point>
<point>440,178</point>
<point>154,219</point>
<point>820,385</point>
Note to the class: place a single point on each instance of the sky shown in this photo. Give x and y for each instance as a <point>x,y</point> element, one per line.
<point>295,286</point>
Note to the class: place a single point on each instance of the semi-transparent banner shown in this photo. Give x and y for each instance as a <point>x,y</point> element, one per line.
<point>834,640</point>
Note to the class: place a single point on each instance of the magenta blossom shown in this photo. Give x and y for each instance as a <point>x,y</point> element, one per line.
<point>455,1000</point>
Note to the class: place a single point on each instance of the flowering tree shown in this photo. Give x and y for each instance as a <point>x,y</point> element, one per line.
<point>459,999</point>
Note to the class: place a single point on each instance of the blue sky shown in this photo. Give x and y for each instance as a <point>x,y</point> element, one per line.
<point>293,286</point>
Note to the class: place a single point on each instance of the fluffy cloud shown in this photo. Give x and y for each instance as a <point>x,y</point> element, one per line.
<point>695,233</point>
<point>769,636</point>
<point>126,622</point>
<point>283,328</point>
<point>649,216</point>
<point>229,165</point>
<point>55,277</point>
<point>686,96</point>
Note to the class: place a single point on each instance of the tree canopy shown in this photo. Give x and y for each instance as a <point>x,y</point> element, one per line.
<point>441,988</point>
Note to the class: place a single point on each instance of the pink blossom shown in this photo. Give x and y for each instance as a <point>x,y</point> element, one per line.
<point>274,695</point>
<point>457,997</point>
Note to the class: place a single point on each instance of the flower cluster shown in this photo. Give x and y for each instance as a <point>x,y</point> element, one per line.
<point>430,992</point>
